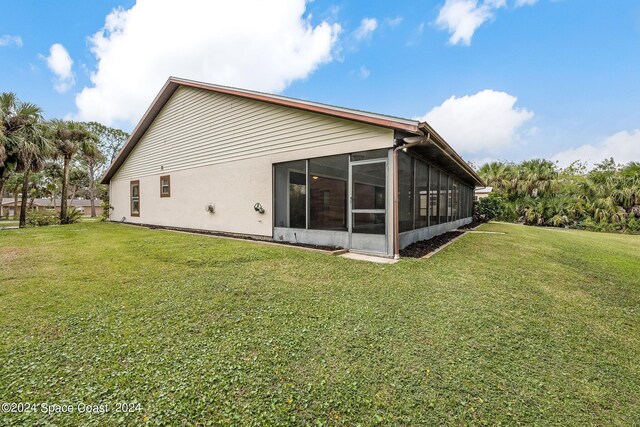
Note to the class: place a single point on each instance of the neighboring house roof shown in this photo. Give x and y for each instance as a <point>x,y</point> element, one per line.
<point>173,83</point>
<point>9,201</point>
<point>484,189</point>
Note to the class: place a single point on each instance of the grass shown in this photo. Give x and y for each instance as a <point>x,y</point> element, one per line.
<point>535,326</point>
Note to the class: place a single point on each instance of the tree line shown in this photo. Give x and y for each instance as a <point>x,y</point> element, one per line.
<point>538,192</point>
<point>52,158</point>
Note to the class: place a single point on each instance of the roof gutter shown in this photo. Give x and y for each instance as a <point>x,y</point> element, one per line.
<point>444,147</point>
<point>167,90</point>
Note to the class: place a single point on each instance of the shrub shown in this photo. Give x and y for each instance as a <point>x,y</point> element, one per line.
<point>488,208</point>
<point>73,215</point>
<point>41,218</point>
<point>633,226</point>
<point>106,210</point>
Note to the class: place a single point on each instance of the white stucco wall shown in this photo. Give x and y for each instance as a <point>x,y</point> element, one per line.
<point>220,149</point>
<point>233,187</point>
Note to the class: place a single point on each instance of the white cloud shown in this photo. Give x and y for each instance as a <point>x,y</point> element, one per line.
<point>463,17</point>
<point>60,64</point>
<point>253,44</point>
<point>623,146</point>
<point>364,72</point>
<point>366,29</point>
<point>8,39</point>
<point>394,22</point>
<point>520,3</point>
<point>486,121</point>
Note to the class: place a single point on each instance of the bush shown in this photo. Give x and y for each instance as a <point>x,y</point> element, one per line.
<point>630,226</point>
<point>73,215</point>
<point>633,226</point>
<point>488,208</point>
<point>106,210</point>
<point>41,218</point>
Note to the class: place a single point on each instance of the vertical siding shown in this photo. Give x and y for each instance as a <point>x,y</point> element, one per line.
<point>199,128</point>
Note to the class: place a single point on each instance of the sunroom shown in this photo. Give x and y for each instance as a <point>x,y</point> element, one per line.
<point>351,201</point>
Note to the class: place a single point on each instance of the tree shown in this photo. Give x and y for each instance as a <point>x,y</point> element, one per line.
<point>92,159</point>
<point>32,151</point>
<point>53,175</point>
<point>9,129</point>
<point>13,184</point>
<point>536,192</point>
<point>25,142</point>
<point>499,175</point>
<point>110,141</point>
<point>536,176</point>
<point>70,138</point>
<point>78,183</point>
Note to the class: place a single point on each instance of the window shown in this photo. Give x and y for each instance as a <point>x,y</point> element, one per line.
<point>454,206</point>
<point>328,178</point>
<point>370,155</point>
<point>165,186</point>
<point>297,200</point>
<point>314,193</point>
<point>369,187</point>
<point>434,185</point>
<point>135,198</point>
<point>291,194</point>
<point>463,201</point>
<point>444,187</point>
<point>405,191</point>
<point>422,190</point>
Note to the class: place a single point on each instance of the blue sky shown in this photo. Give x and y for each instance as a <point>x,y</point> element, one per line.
<point>500,79</point>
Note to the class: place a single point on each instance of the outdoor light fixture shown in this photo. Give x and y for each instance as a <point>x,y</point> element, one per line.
<point>314,177</point>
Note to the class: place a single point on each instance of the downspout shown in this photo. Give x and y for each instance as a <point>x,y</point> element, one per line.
<point>396,217</point>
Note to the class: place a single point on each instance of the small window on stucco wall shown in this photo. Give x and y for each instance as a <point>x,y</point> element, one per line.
<point>135,198</point>
<point>165,186</point>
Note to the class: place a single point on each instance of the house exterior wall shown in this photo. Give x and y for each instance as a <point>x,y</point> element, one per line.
<point>219,149</point>
<point>201,128</point>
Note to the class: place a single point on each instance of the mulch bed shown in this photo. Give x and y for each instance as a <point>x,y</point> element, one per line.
<point>424,247</point>
<point>470,226</point>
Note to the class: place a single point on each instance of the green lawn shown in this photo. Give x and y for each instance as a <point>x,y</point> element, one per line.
<point>535,326</point>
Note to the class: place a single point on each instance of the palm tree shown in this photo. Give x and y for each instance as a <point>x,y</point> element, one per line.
<point>498,175</point>
<point>7,136</point>
<point>537,176</point>
<point>32,152</point>
<point>70,138</point>
<point>25,135</point>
